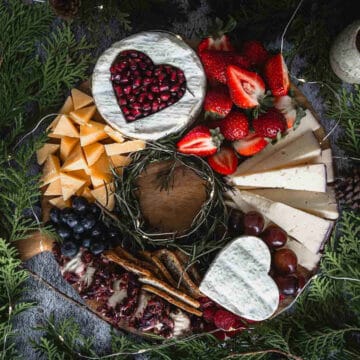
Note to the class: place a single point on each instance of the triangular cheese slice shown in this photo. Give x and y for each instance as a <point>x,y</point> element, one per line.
<point>92,132</point>
<point>65,110</point>
<point>80,99</point>
<point>86,193</point>
<point>305,257</point>
<point>76,160</point>
<point>70,184</point>
<point>51,170</point>
<point>124,148</point>
<point>60,203</point>
<point>83,115</point>
<point>105,196</point>
<point>66,146</point>
<point>327,159</point>
<point>65,127</point>
<point>316,203</point>
<point>93,152</point>
<point>306,228</point>
<point>306,177</point>
<point>45,151</point>
<point>81,174</point>
<point>113,134</point>
<point>54,188</point>
<point>120,160</point>
<point>100,172</point>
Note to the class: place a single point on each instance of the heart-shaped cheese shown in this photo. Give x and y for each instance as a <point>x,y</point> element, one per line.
<point>238,279</point>
<point>162,48</point>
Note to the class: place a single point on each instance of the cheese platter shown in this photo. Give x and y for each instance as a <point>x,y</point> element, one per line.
<point>137,219</point>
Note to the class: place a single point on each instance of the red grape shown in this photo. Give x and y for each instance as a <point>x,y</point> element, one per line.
<point>288,285</point>
<point>274,236</point>
<point>284,261</point>
<point>253,223</point>
<point>235,223</point>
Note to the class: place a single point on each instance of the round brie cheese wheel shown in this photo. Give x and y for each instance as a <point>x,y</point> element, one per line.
<point>163,48</point>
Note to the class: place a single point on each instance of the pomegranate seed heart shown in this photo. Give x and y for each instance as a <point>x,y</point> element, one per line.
<point>137,80</point>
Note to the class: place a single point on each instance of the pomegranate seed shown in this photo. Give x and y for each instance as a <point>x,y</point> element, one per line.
<point>155,89</point>
<point>162,106</point>
<point>142,97</point>
<point>148,73</point>
<point>124,80</point>
<point>164,87</point>
<point>137,82</point>
<point>170,102</point>
<point>118,90</point>
<point>136,105</point>
<point>155,107</point>
<point>175,88</point>
<point>133,67</point>
<point>130,118</point>
<point>161,77</point>
<point>165,96</point>
<point>150,96</point>
<point>135,112</point>
<point>122,101</point>
<point>136,73</point>
<point>127,89</point>
<point>147,81</point>
<point>125,110</point>
<point>173,76</point>
<point>131,98</point>
<point>142,65</point>
<point>146,106</point>
<point>157,72</point>
<point>181,93</point>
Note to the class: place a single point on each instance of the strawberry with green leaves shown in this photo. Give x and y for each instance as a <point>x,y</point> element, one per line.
<point>217,103</point>
<point>235,126</point>
<point>277,75</point>
<point>250,145</point>
<point>224,161</point>
<point>255,52</point>
<point>200,141</point>
<point>290,109</point>
<point>270,124</point>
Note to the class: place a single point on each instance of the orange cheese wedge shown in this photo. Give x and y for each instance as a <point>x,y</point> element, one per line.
<point>45,151</point>
<point>65,127</point>
<point>54,188</point>
<point>51,170</point>
<point>100,172</point>
<point>76,160</point>
<point>105,196</point>
<point>113,134</point>
<point>66,146</point>
<point>92,132</point>
<point>93,152</point>
<point>86,193</point>
<point>70,184</point>
<point>60,203</point>
<point>81,174</point>
<point>80,99</point>
<point>120,160</point>
<point>65,110</point>
<point>124,148</point>
<point>83,115</point>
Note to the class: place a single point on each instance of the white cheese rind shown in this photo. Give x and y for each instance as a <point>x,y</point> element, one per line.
<point>316,203</point>
<point>306,177</point>
<point>238,279</point>
<point>308,229</point>
<point>163,48</point>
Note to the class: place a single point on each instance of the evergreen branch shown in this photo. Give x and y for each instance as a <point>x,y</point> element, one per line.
<point>257,355</point>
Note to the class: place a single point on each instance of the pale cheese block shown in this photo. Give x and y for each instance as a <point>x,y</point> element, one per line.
<point>83,115</point>
<point>92,132</point>
<point>93,152</point>
<point>305,177</point>
<point>308,229</point>
<point>113,134</point>
<point>105,196</point>
<point>308,123</point>
<point>75,161</point>
<point>54,188</point>
<point>67,144</point>
<point>65,110</point>
<point>124,148</point>
<point>51,170</point>
<point>80,99</point>
<point>65,127</point>
<point>316,203</point>
<point>120,160</point>
<point>302,150</point>
<point>60,203</point>
<point>326,158</point>
<point>46,150</point>
<point>238,279</point>
<point>70,184</point>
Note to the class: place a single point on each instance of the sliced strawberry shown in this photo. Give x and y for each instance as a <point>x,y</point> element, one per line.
<point>269,124</point>
<point>277,75</point>
<point>200,141</point>
<point>246,87</point>
<point>209,313</point>
<point>255,52</point>
<point>235,126</point>
<point>228,321</point>
<point>217,103</point>
<point>216,62</point>
<point>224,162</point>
<point>249,146</point>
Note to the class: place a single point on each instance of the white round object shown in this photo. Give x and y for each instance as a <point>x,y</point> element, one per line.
<point>163,48</point>
<point>239,280</point>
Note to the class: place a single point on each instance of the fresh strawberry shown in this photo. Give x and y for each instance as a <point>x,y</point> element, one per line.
<point>290,109</point>
<point>218,40</point>
<point>277,75</point>
<point>209,313</point>
<point>246,87</point>
<point>200,141</point>
<point>224,162</point>
<point>235,126</point>
<point>249,146</point>
<point>255,52</point>
<point>227,321</point>
<point>270,124</point>
<point>217,102</point>
<point>216,62</point>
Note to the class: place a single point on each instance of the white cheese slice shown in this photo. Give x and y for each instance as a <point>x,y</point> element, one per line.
<point>182,323</point>
<point>308,123</point>
<point>302,150</point>
<point>306,177</point>
<point>326,158</point>
<point>308,229</point>
<point>317,203</point>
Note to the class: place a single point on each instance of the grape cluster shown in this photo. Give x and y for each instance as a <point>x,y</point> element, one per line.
<point>81,226</point>
<point>284,261</point>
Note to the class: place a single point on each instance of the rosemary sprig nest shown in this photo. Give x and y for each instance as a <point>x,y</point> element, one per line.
<point>207,233</point>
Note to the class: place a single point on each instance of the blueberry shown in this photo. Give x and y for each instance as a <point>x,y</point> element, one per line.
<point>79,203</point>
<point>78,229</point>
<point>96,231</point>
<point>95,210</point>
<point>88,221</point>
<point>78,237</point>
<point>64,231</point>
<point>86,242</point>
<point>65,213</point>
<point>55,215</point>
<point>69,249</point>
<point>72,220</point>
<point>97,248</point>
